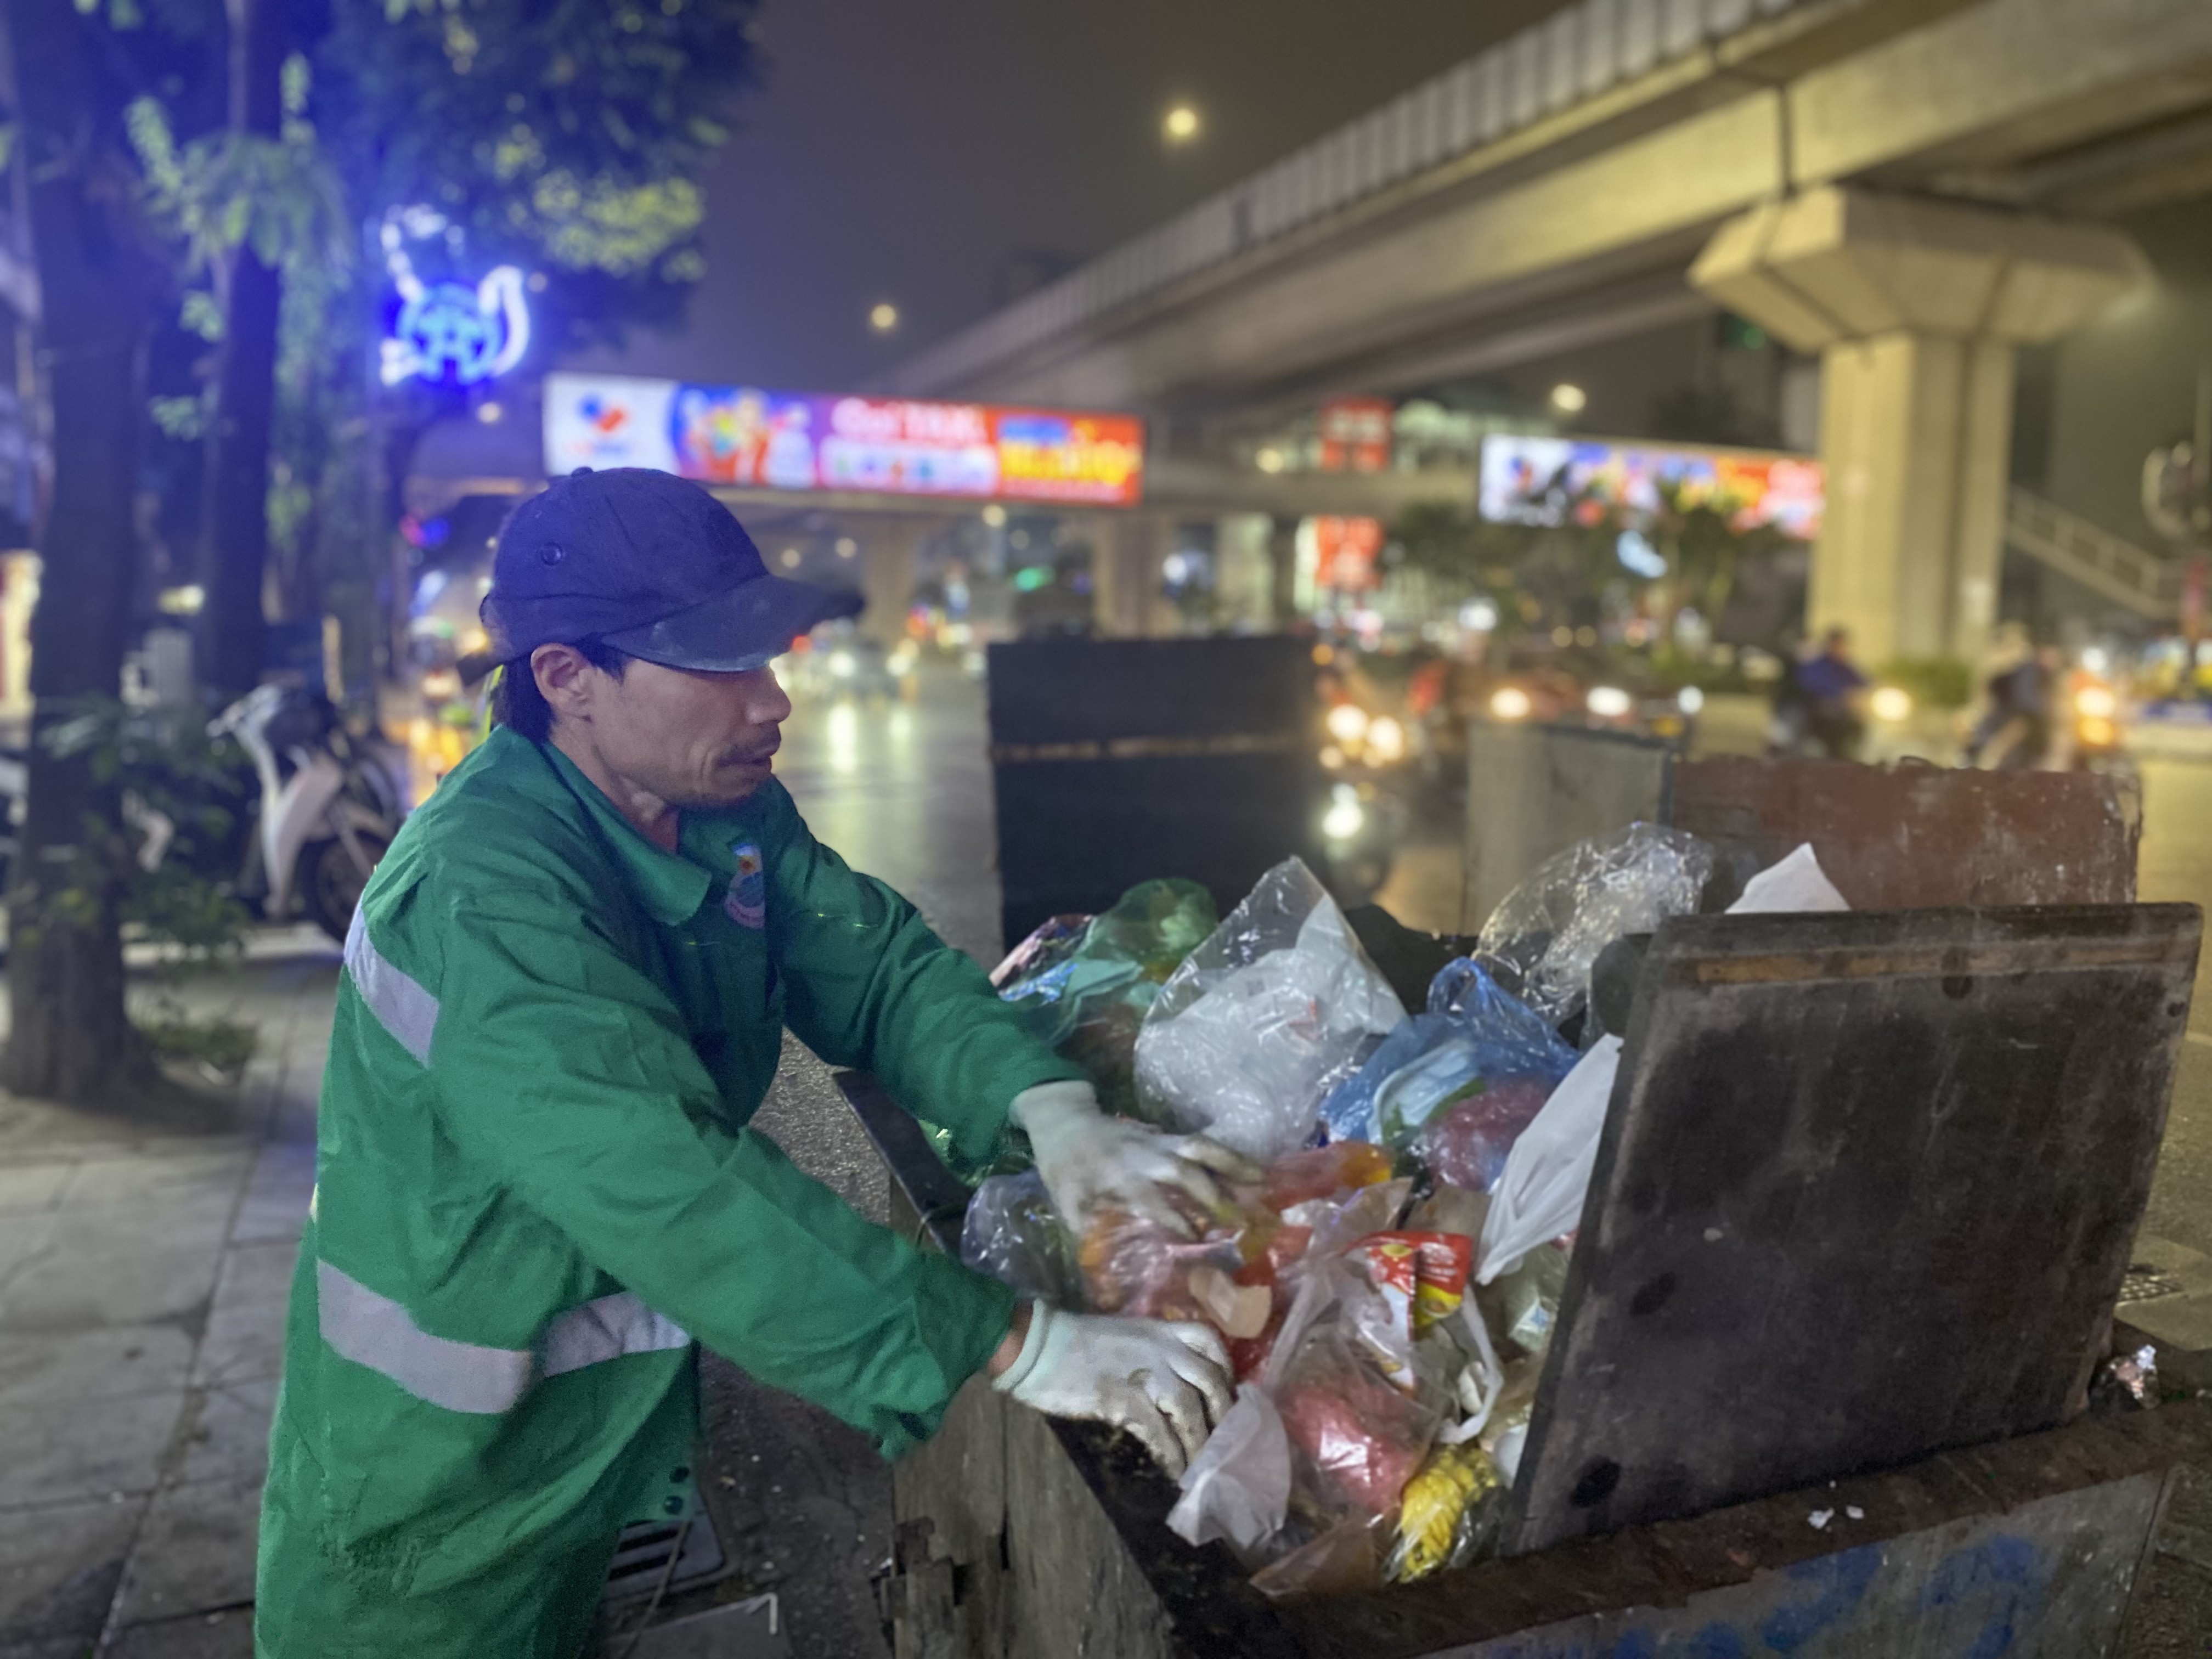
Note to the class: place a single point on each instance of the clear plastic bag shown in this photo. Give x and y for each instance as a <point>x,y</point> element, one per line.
<point>1361,1435</point>
<point>1135,1269</point>
<point>1238,1486</point>
<point>1473,1038</point>
<point>1544,935</point>
<point>1262,1020</point>
<point>1013,1234</point>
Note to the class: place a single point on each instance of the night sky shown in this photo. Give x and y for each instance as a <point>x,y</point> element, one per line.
<point>924,152</point>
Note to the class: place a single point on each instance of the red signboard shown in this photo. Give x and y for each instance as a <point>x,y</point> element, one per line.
<point>1355,435</point>
<point>1345,553</point>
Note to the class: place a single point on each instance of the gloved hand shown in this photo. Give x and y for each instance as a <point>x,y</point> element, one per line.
<point>1091,1162</point>
<point>1168,1384</point>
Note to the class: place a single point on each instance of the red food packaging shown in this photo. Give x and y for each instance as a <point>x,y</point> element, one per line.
<point>1364,1436</point>
<point>1466,1146</point>
<point>1282,1248</point>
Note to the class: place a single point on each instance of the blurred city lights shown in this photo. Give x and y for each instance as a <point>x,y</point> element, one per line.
<point>1569,398</point>
<point>789,558</point>
<point>1689,700</point>
<point>1891,703</point>
<point>1181,124</point>
<point>1608,702</point>
<point>883,317</point>
<point>1347,722</point>
<point>994,515</point>
<point>1510,703</point>
<point>1386,740</point>
<point>847,548</point>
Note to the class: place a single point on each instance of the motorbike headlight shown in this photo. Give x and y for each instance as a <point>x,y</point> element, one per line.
<point>1386,740</point>
<point>1347,722</point>
<point>2096,702</point>
<point>1608,702</point>
<point>2100,733</point>
<point>1891,703</point>
<point>1689,700</point>
<point>1510,703</point>
<point>1345,816</point>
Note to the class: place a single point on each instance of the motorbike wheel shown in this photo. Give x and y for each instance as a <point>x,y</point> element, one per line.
<point>330,884</point>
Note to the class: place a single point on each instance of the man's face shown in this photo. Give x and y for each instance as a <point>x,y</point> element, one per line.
<point>692,739</point>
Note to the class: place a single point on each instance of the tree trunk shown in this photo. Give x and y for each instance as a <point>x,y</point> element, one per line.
<point>229,646</point>
<point>70,1038</point>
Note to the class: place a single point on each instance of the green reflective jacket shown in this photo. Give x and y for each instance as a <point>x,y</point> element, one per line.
<point>535,1190</point>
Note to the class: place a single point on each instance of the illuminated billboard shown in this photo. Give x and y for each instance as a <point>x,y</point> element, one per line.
<point>1591,481</point>
<point>802,440</point>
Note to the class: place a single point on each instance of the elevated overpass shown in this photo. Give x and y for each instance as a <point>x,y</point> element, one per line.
<point>1910,188</point>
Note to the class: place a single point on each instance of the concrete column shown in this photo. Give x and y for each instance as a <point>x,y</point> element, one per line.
<point>1917,438</point>
<point>1243,575</point>
<point>1915,307</point>
<point>1130,551</point>
<point>888,546</point>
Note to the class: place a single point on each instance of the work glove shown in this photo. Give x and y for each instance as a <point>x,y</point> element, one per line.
<point>1168,1384</point>
<point>1092,1162</point>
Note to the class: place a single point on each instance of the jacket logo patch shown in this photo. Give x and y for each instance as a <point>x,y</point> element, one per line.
<point>746,903</point>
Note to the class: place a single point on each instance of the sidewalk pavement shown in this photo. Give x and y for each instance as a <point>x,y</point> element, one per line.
<point>143,1273</point>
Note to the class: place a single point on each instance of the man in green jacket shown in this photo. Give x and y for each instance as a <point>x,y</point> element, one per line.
<point>565,994</point>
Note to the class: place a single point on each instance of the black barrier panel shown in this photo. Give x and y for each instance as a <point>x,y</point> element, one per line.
<point>1865,1191</point>
<point>1116,761</point>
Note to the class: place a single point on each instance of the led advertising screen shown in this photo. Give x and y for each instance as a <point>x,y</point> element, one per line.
<point>1552,481</point>
<point>803,440</point>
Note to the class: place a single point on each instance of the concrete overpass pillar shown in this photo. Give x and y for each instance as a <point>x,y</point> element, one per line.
<point>1129,554</point>
<point>1915,307</point>
<point>888,547</point>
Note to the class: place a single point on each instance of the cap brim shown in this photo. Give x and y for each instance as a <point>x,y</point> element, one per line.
<point>743,629</point>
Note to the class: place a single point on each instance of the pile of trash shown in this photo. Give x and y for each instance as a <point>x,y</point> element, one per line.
<point>1388,1290</point>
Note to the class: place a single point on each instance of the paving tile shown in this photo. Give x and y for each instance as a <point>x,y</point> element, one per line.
<point>37,1367</point>
<point>33,1184</point>
<point>195,1552</point>
<point>63,1452</point>
<point>244,1337</point>
<point>23,1233</point>
<point>228,1437</point>
<point>227,1635</point>
<point>276,1203</point>
<point>161,1183</point>
<point>59,1566</point>
<point>116,1267</point>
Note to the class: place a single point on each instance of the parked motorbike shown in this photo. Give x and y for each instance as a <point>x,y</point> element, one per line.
<point>329,806</point>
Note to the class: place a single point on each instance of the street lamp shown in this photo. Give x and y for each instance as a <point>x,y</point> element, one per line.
<point>884,318</point>
<point>1180,125</point>
<point>1569,398</point>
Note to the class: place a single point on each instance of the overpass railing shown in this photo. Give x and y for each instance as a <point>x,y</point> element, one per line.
<point>1575,54</point>
<point>2099,561</point>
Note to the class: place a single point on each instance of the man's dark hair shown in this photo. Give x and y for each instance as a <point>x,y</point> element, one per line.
<point>517,701</point>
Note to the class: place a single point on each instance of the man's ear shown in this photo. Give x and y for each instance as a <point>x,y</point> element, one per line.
<point>565,678</point>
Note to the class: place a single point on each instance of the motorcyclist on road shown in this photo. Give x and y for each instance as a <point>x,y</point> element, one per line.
<point>1830,685</point>
<point>565,994</point>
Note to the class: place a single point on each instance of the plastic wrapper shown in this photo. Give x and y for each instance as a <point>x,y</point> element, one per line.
<point>1472,1038</point>
<point>1450,1209</point>
<point>1263,1019</point>
<point>1322,1172</point>
<point>1013,1234</point>
<point>1132,1267</point>
<point>1544,934</point>
<point>1794,883</point>
<point>1343,1560</point>
<point>1085,985</point>
<point>1467,1144</point>
<point>1450,1511</point>
<point>1238,1486</point>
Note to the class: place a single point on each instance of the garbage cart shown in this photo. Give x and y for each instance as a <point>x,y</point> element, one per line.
<point>1862,1208</point>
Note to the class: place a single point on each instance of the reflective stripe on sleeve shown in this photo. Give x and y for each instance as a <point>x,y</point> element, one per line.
<point>371,1329</point>
<point>401,1005</point>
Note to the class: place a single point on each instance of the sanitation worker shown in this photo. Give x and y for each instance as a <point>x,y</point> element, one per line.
<point>565,993</point>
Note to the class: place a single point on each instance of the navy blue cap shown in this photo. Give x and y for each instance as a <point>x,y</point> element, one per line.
<point>647,562</point>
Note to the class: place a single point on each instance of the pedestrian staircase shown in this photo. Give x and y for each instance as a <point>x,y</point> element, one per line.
<point>2099,561</point>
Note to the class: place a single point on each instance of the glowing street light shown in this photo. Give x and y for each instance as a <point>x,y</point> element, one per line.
<point>884,318</point>
<point>1569,398</point>
<point>1180,125</point>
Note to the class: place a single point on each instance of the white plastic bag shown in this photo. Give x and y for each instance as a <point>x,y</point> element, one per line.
<point>1797,883</point>
<point>1547,1174</point>
<point>1238,1486</point>
<point>1278,1007</point>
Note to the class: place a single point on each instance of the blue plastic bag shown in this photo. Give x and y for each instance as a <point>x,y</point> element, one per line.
<point>1473,1034</point>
